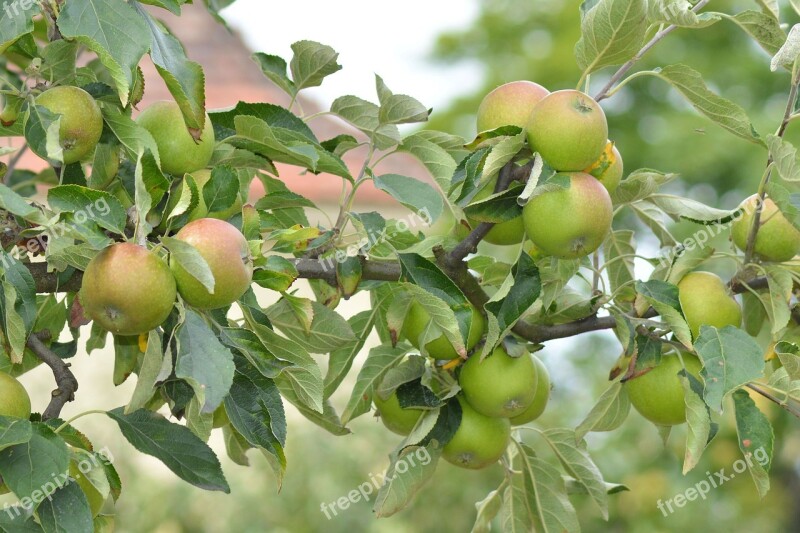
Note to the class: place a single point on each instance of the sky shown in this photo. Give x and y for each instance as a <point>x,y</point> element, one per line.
<point>390,39</point>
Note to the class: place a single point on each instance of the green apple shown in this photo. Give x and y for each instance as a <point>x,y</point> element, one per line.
<point>127,289</point>
<point>537,407</point>
<point>178,151</point>
<point>608,168</point>
<point>500,386</point>
<point>777,239</point>
<point>568,129</point>
<point>479,441</point>
<point>569,223</point>
<point>658,395</point>
<point>508,232</point>
<point>706,300</point>
<point>227,253</point>
<point>417,322</point>
<point>81,120</point>
<point>14,399</point>
<point>395,418</point>
<point>509,105</point>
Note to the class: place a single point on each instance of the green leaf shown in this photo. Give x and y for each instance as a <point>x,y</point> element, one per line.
<point>508,307</point>
<point>762,27</point>
<point>249,345</point>
<point>611,33</point>
<point>436,159</point>
<point>31,466</point>
<point>756,439</point>
<point>327,331</point>
<point>789,356</point>
<point>14,431</point>
<point>686,208</point>
<point>311,63</point>
<point>639,185</point>
<point>221,190</point>
<point>188,257</point>
<point>663,297</point>
<point>723,112</point>
<point>365,116</point>
<point>698,419</point>
<point>41,129</point>
<point>488,509</point>
<point>730,358</point>
<point>341,360</point>
<point>790,50</point>
<point>114,31</point>
<point>399,108</point>
<point>274,115</point>
<point>379,360</point>
<point>203,362</point>
<point>277,274</point>
<point>131,135</point>
<point>17,205</point>
<point>328,419</point>
<point>176,446</point>
<point>412,193</point>
<point>572,455</point>
<point>546,494</point>
<point>679,13</point>
<point>619,249</point>
<point>148,373</point>
<point>66,510</point>
<point>100,207</point>
<point>501,154</point>
<point>408,473</point>
<point>608,413</point>
<point>274,68</point>
<point>784,157</point>
<point>16,22</point>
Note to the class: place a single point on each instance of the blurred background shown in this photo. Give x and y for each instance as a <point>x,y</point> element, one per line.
<point>448,54</point>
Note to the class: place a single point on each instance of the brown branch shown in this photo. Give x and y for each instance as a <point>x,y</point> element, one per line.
<point>65,379</point>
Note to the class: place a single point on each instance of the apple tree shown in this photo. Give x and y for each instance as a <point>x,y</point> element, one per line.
<point>140,236</point>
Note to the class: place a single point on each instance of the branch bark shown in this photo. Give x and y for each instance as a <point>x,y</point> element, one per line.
<point>65,379</point>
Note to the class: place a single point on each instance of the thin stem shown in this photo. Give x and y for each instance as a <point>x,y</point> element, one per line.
<point>76,417</point>
<point>12,163</point>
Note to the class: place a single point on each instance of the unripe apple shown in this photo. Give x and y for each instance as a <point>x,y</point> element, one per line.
<point>658,395</point>
<point>81,120</point>
<point>706,300</point>
<point>569,223</point>
<point>228,256</point>
<point>508,232</point>
<point>127,289</point>
<point>777,239</point>
<point>178,151</point>
<point>14,399</point>
<point>500,386</point>
<point>396,418</point>
<point>479,440</point>
<point>509,105</point>
<point>568,129</point>
<point>608,168</point>
<point>417,322</point>
<point>537,407</point>
<point>447,226</point>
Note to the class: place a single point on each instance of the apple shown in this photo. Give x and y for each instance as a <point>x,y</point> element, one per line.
<point>608,168</point>
<point>509,105</point>
<point>81,120</point>
<point>447,226</point>
<point>706,300</point>
<point>568,129</point>
<point>658,394</point>
<point>396,419</point>
<point>14,399</point>
<point>777,239</point>
<point>500,386</point>
<point>178,151</point>
<point>505,233</point>
<point>569,223</point>
<point>479,440</point>
<point>540,399</point>
<point>127,289</point>
<point>417,322</point>
<point>228,256</point>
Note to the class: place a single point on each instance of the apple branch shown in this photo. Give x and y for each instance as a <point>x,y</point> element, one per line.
<point>65,379</point>
<point>617,76</point>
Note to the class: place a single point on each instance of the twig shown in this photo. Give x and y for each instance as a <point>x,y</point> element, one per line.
<point>603,94</point>
<point>65,379</point>
<point>12,164</point>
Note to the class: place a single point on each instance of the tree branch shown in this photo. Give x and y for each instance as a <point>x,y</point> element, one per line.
<point>603,94</point>
<point>65,379</point>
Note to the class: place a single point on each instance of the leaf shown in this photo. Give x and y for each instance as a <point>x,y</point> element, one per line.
<point>619,249</point>
<point>412,193</point>
<point>16,22</point>
<point>66,510</point>
<point>365,116</point>
<point>42,128</point>
<point>17,205</point>
<point>87,204</point>
<point>14,431</point>
<point>436,159</point>
<point>608,413</point>
<point>612,31</point>
<point>679,13</point>
<point>31,466</point>
<point>756,439</point>
<point>655,219</point>
<point>148,373</point>
<point>191,260</point>
<point>784,157</point>
<point>379,360</point>
<point>501,154</point>
<point>762,27</point>
<point>723,112</point>
<point>546,494</point>
<point>488,509</point>
<point>787,55</point>
<point>572,455</point>
<point>328,419</point>
<point>686,208</point>
<point>730,358</point>
<point>664,298</point>
<point>698,419</point>
<point>639,185</point>
<point>789,356</point>
<point>774,300</point>
<point>326,332</point>
<point>112,30</point>
<point>203,362</point>
<point>311,63</point>
<point>178,448</point>
<point>508,308</point>
<point>341,360</point>
<point>131,135</point>
<point>221,190</point>
<point>274,68</point>
<point>408,473</point>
